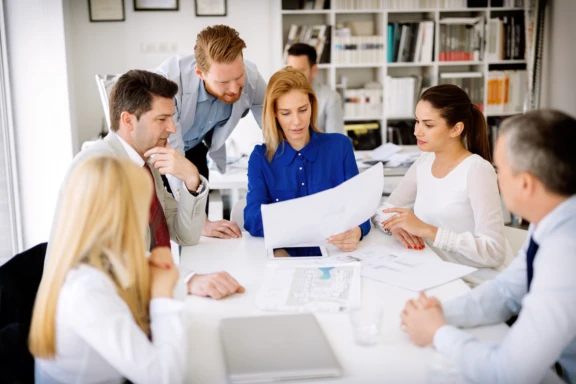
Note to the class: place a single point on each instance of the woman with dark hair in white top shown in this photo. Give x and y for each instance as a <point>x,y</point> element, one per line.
<point>449,197</point>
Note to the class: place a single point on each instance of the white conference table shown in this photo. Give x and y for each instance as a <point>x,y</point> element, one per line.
<point>394,360</point>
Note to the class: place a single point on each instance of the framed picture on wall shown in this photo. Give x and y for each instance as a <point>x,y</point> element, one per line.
<point>210,7</point>
<point>156,5</point>
<point>106,10</point>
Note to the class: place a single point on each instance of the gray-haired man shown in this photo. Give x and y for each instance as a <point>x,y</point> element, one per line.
<point>537,176</point>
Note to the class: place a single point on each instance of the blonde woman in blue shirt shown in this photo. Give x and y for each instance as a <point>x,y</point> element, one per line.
<point>296,159</point>
<point>104,312</point>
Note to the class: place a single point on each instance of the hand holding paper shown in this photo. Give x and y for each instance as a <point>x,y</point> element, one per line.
<point>310,220</point>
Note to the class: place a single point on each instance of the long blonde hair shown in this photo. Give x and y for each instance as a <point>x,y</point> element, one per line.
<point>102,222</point>
<point>282,82</point>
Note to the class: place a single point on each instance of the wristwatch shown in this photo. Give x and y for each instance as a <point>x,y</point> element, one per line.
<point>198,190</point>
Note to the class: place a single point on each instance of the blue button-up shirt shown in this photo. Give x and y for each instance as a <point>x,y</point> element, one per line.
<point>210,113</point>
<point>545,331</point>
<point>325,162</point>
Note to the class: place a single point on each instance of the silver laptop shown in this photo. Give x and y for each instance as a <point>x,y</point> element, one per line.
<point>273,348</point>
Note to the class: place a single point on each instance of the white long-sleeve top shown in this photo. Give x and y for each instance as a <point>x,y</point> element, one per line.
<point>98,340</point>
<point>465,207</point>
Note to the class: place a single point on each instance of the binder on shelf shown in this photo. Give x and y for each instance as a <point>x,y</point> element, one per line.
<point>390,44</point>
<point>364,135</point>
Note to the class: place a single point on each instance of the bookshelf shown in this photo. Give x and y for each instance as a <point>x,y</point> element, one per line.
<point>488,65</point>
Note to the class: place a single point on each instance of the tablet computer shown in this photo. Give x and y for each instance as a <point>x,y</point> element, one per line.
<point>288,253</point>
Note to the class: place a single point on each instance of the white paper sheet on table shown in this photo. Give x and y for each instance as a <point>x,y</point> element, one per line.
<point>402,268</point>
<point>308,221</point>
<point>310,288</point>
<point>384,152</point>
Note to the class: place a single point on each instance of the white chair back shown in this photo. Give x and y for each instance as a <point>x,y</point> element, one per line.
<point>237,214</point>
<point>516,237</point>
<point>105,84</point>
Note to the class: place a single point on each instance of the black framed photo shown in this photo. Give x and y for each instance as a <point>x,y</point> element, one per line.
<point>156,5</point>
<point>210,8</point>
<point>106,10</point>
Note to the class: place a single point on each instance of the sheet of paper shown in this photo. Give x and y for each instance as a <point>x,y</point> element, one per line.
<point>308,221</point>
<point>310,288</point>
<point>385,151</point>
<point>402,268</point>
<point>403,159</point>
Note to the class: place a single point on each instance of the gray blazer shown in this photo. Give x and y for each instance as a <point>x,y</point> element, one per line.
<point>180,69</point>
<point>185,217</point>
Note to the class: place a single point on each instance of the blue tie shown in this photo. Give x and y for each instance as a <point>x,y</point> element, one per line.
<point>530,255</point>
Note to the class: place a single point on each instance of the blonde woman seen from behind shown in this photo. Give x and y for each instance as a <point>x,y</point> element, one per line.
<point>449,197</point>
<point>104,311</point>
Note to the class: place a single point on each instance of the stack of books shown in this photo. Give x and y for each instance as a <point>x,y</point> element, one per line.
<point>359,50</point>
<point>461,39</point>
<point>411,42</point>
<point>400,95</point>
<point>317,36</point>
<point>471,82</point>
<point>505,37</point>
<point>363,102</point>
<point>305,4</point>
<point>506,91</point>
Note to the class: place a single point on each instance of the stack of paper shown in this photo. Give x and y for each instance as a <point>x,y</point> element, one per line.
<point>385,152</point>
<point>407,269</point>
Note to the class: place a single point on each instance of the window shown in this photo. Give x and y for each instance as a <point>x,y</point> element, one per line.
<point>10,236</point>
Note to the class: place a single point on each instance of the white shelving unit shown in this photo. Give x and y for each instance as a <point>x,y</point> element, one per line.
<point>358,74</point>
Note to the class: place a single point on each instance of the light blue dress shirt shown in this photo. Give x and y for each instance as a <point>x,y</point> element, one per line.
<point>545,331</point>
<point>210,113</point>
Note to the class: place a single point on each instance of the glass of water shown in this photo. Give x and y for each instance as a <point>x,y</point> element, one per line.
<point>366,325</point>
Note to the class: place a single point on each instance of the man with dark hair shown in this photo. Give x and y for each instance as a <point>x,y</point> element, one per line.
<point>141,109</point>
<point>537,177</point>
<point>330,113</point>
<point>217,88</point>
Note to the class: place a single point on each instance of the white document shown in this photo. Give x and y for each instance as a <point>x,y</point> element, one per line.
<point>308,221</point>
<point>403,159</point>
<point>310,288</point>
<point>405,269</point>
<point>385,151</point>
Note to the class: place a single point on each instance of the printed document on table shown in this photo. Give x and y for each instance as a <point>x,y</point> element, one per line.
<point>310,288</point>
<point>385,152</point>
<point>308,221</point>
<point>407,270</point>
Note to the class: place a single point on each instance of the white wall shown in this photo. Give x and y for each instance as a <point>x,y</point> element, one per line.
<point>558,79</point>
<point>41,112</point>
<point>115,47</point>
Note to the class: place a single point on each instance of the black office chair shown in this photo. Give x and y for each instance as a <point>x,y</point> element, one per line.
<point>19,281</point>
